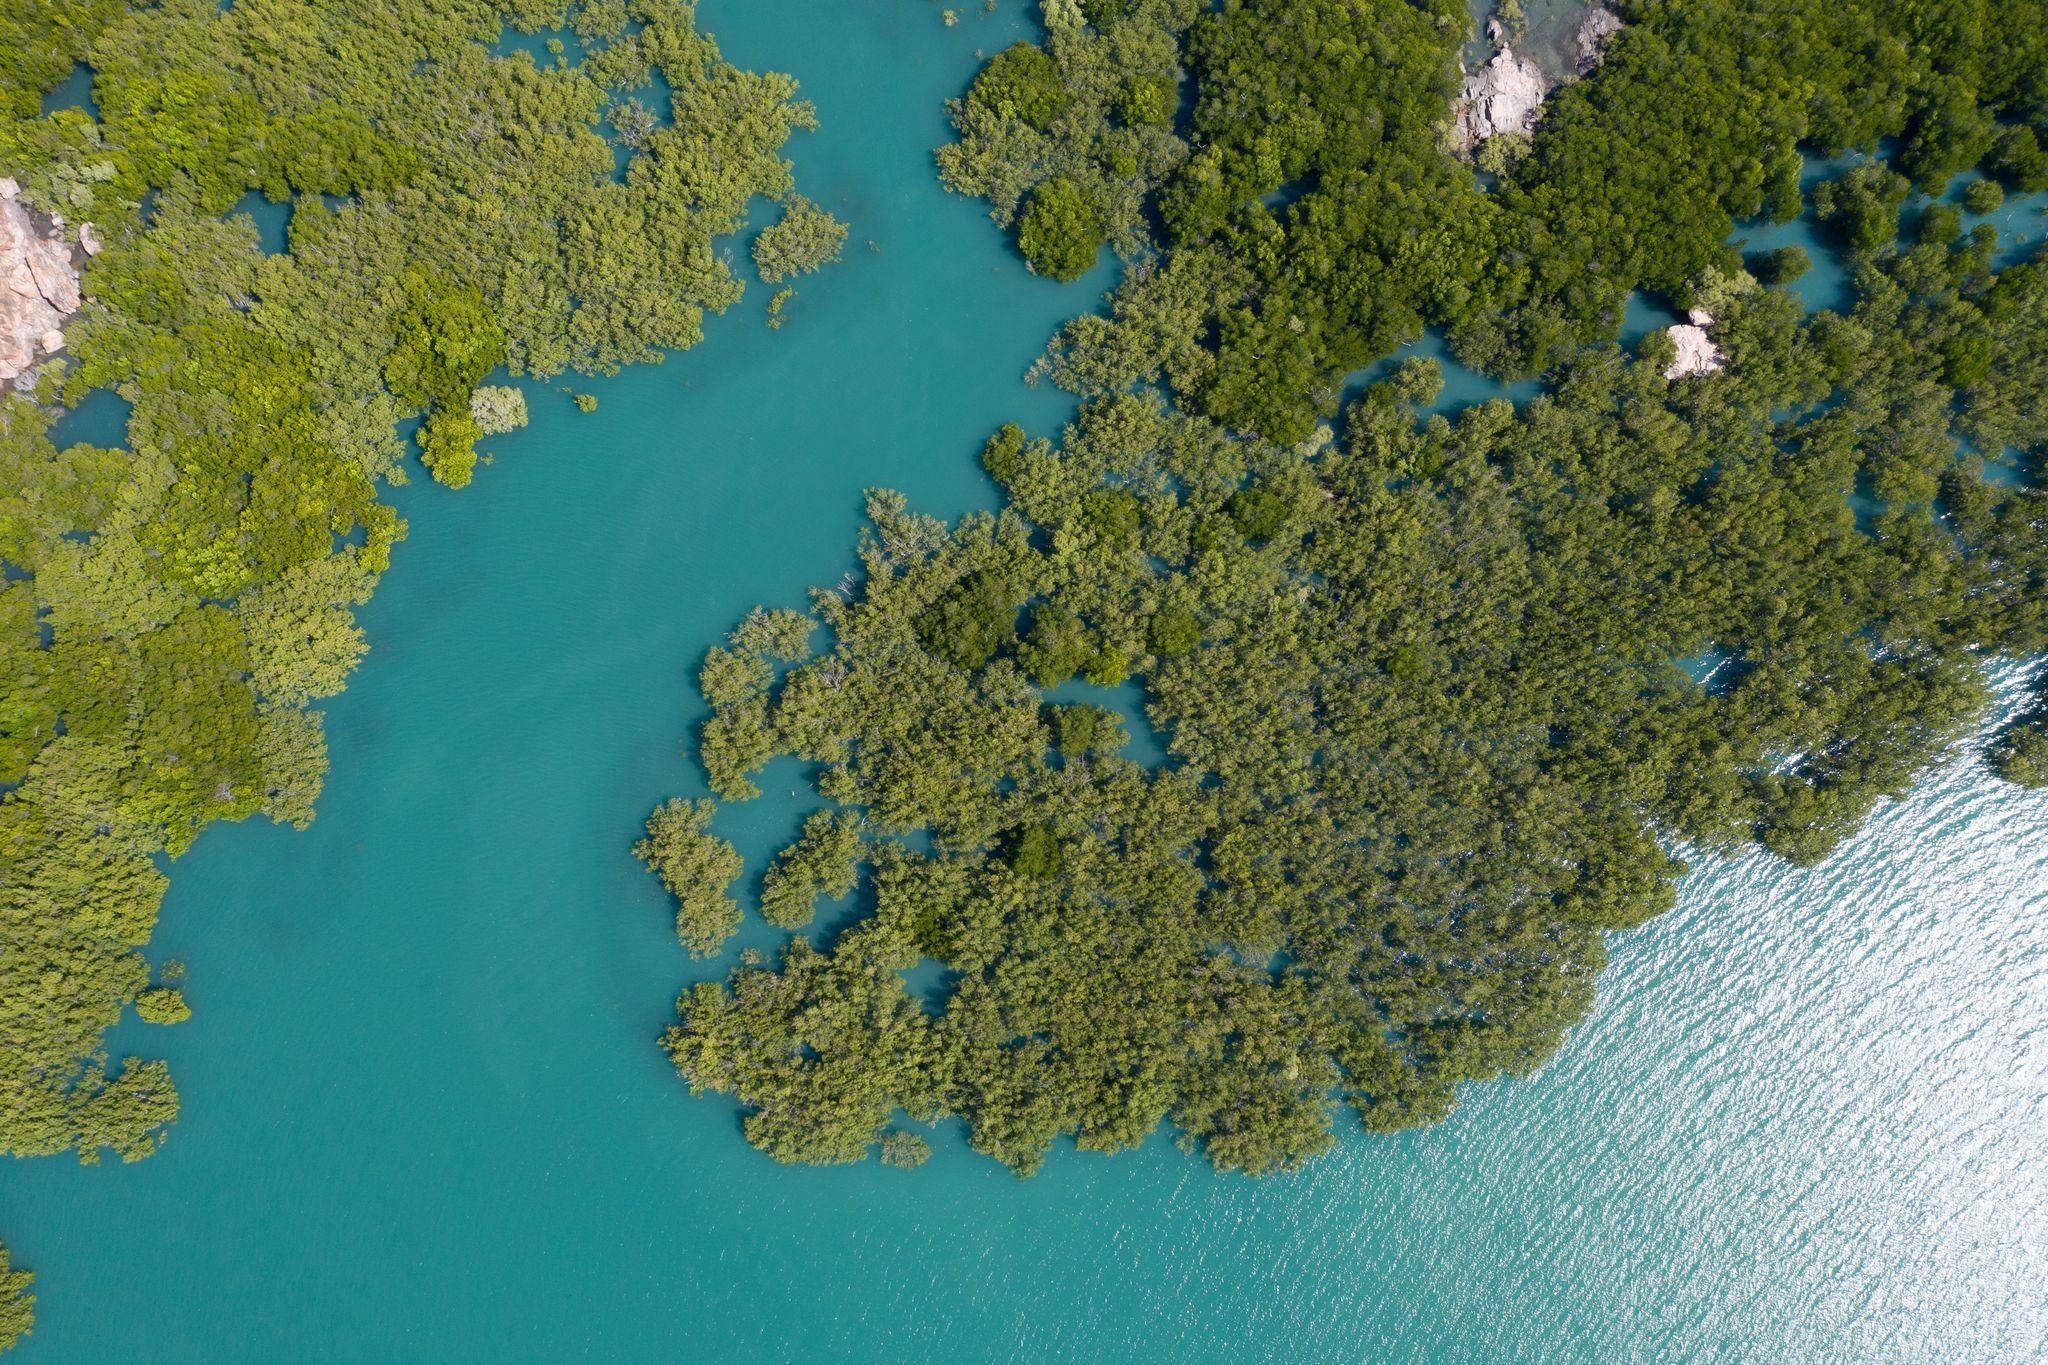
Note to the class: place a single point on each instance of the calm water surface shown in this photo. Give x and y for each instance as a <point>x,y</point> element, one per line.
<point>425,1118</point>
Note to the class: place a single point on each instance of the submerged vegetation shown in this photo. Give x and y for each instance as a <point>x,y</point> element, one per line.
<point>171,611</point>
<point>1428,733</point>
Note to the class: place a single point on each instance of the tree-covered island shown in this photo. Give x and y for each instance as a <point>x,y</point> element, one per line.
<point>1446,698</point>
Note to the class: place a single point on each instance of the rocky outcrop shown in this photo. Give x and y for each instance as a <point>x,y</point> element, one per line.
<point>1697,353</point>
<point>1598,25</point>
<point>1504,96</point>
<point>38,284</point>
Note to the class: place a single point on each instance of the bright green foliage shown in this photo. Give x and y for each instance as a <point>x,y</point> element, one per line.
<point>824,862</point>
<point>904,1151</point>
<point>40,42</point>
<point>1001,456</point>
<point>1059,233</point>
<point>1428,740</point>
<point>498,408</point>
<point>162,1005</point>
<point>2021,754</point>
<point>18,1306</point>
<point>170,611</point>
<point>696,866</point>
<point>804,239</point>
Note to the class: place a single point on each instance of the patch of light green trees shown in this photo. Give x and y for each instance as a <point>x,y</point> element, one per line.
<point>173,611</point>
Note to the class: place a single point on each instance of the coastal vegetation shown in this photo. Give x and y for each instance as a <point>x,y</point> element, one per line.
<point>1446,697</point>
<point>173,611</point>
<point>1306,218</point>
<point>17,1305</point>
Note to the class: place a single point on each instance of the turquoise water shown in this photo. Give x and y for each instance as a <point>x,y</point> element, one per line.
<point>425,1118</point>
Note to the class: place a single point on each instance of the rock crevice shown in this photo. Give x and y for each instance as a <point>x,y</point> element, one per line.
<point>38,282</point>
<point>1504,96</point>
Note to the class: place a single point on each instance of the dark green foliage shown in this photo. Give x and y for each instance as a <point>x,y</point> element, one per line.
<point>1172,632</point>
<point>1058,647</point>
<point>1059,232</point>
<point>1093,109</point>
<point>1035,852</point>
<point>446,339</point>
<point>974,620</point>
<point>1021,82</point>
<point>1863,206</point>
<point>1782,266</point>
<point>1258,513</point>
<point>2018,159</point>
<point>1983,196</point>
<point>1114,515</point>
<point>1081,731</point>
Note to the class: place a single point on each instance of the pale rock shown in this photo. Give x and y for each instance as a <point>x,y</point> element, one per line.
<point>1699,317</point>
<point>1504,96</point>
<point>89,239</point>
<point>55,280</point>
<point>1595,29</point>
<point>1697,353</point>
<point>38,286</point>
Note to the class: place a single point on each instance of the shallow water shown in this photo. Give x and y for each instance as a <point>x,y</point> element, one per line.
<point>425,1117</point>
<point>1549,36</point>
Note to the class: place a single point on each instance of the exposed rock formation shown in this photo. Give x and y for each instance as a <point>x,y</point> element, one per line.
<point>1697,353</point>
<point>1504,96</point>
<point>38,285</point>
<point>1595,29</point>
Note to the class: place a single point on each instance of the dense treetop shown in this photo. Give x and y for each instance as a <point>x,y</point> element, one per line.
<point>170,610</point>
<point>1430,684</point>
